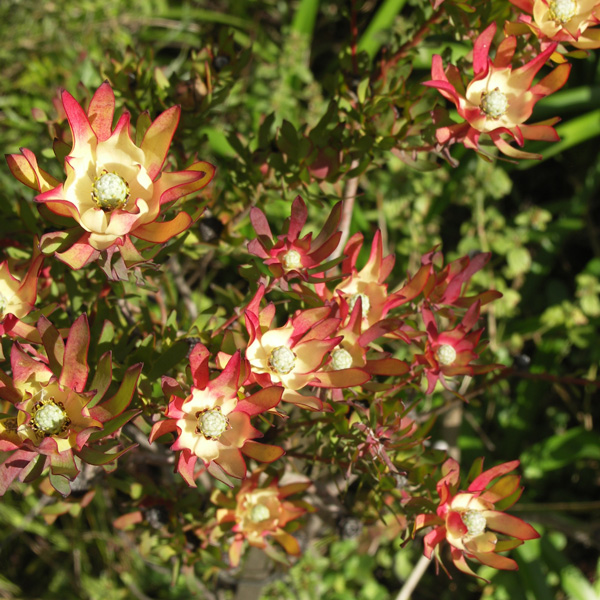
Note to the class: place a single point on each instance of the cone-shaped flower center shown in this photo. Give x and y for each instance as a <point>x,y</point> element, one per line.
<point>341,359</point>
<point>366,303</point>
<point>110,191</point>
<point>494,104</point>
<point>291,260</point>
<point>259,513</point>
<point>474,521</point>
<point>562,11</point>
<point>212,423</point>
<point>49,417</point>
<point>282,360</point>
<point>446,354</point>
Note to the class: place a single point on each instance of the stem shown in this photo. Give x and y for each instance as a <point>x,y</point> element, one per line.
<point>348,207</point>
<point>411,583</point>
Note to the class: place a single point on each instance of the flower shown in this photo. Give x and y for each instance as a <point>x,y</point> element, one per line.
<point>56,419</point>
<point>292,255</point>
<point>293,355</point>
<point>498,100</point>
<point>113,188</point>
<point>261,511</point>
<point>451,352</point>
<point>565,21</point>
<point>367,284</point>
<point>471,521</point>
<point>212,424</point>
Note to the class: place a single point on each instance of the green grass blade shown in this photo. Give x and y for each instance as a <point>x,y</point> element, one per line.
<point>371,40</point>
<point>305,17</point>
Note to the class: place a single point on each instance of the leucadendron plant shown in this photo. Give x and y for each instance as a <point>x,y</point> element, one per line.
<point>234,358</point>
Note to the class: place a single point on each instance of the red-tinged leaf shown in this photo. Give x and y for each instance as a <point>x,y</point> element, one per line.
<point>93,456</point>
<point>544,133</point>
<point>102,378</point>
<point>289,542</point>
<point>426,521</point>
<point>496,561</point>
<point>509,525</point>
<point>171,186</point>
<point>120,401</point>
<point>511,151</point>
<point>161,232</point>
<point>387,366</point>
<point>262,452</point>
<point>298,216</point>
<point>101,111</point>
<point>481,482</point>
<point>185,467</point>
<point>330,228</point>
<point>343,378</point>
<point>505,545</point>
<point>128,521</point>
<point>83,134</point>
<point>63,463</point>
<point>294,488</point>
<point>505,53</point>
<point>199,358</point>
<point>503,488</point>
<point>60,484</point>
<point>261,401</point>
<point>53,344</point>
<point>13,466</point>
<point>461,564</point>
<point>481,49</point>
<point>112,426</point>
<point>432,539</point>
<point>79,254</point>
<point>158,138</point>
<point>161,428</point>
<point>26,368</point>
<point>228,382</point>
<point>456,525</point>
<point>170,387</point>
<point>35,469</point>
<point>260,223</point>
<point>75,368</point>
<point>416,285</point>
<point>8,391</point>
<point>217,472</point>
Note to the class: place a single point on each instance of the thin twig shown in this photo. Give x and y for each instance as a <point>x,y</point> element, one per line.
<point>348,207</point>
<point>411,583</point>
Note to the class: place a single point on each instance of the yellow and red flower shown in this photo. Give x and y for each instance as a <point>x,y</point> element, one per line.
<point>292,356</point>
<point>56,419</point>
<point>113,188</point>
<point>259,512</point>
<point>292,255</point>
<point>498,100</point>
<point>212,424</point>
<point>571,22</point>
<point>472,521</point>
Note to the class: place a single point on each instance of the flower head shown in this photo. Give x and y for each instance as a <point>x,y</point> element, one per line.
<point>565,21</point>
<point>471,521</point>
<point>212,424</point>
<point>499,99</point>
<point>113,188</point>
<point>291,254</point>
<point>261,511</point>
<point>56,419</point>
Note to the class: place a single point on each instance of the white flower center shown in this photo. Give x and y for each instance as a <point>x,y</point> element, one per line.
<point>474,521</point>
<point>446,354</point>
<point>562,11</point>
<point>49,418</point>
<point>282,360</point>
<point>212,423</point>
<point>291,260</point>
<point>494,104</point>
<point>341,359</point>
<point>259,513</point>
<point>366,303</point>
<point>110,191</point>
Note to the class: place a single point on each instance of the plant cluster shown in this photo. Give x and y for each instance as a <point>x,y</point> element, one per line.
<point>216,354</point>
